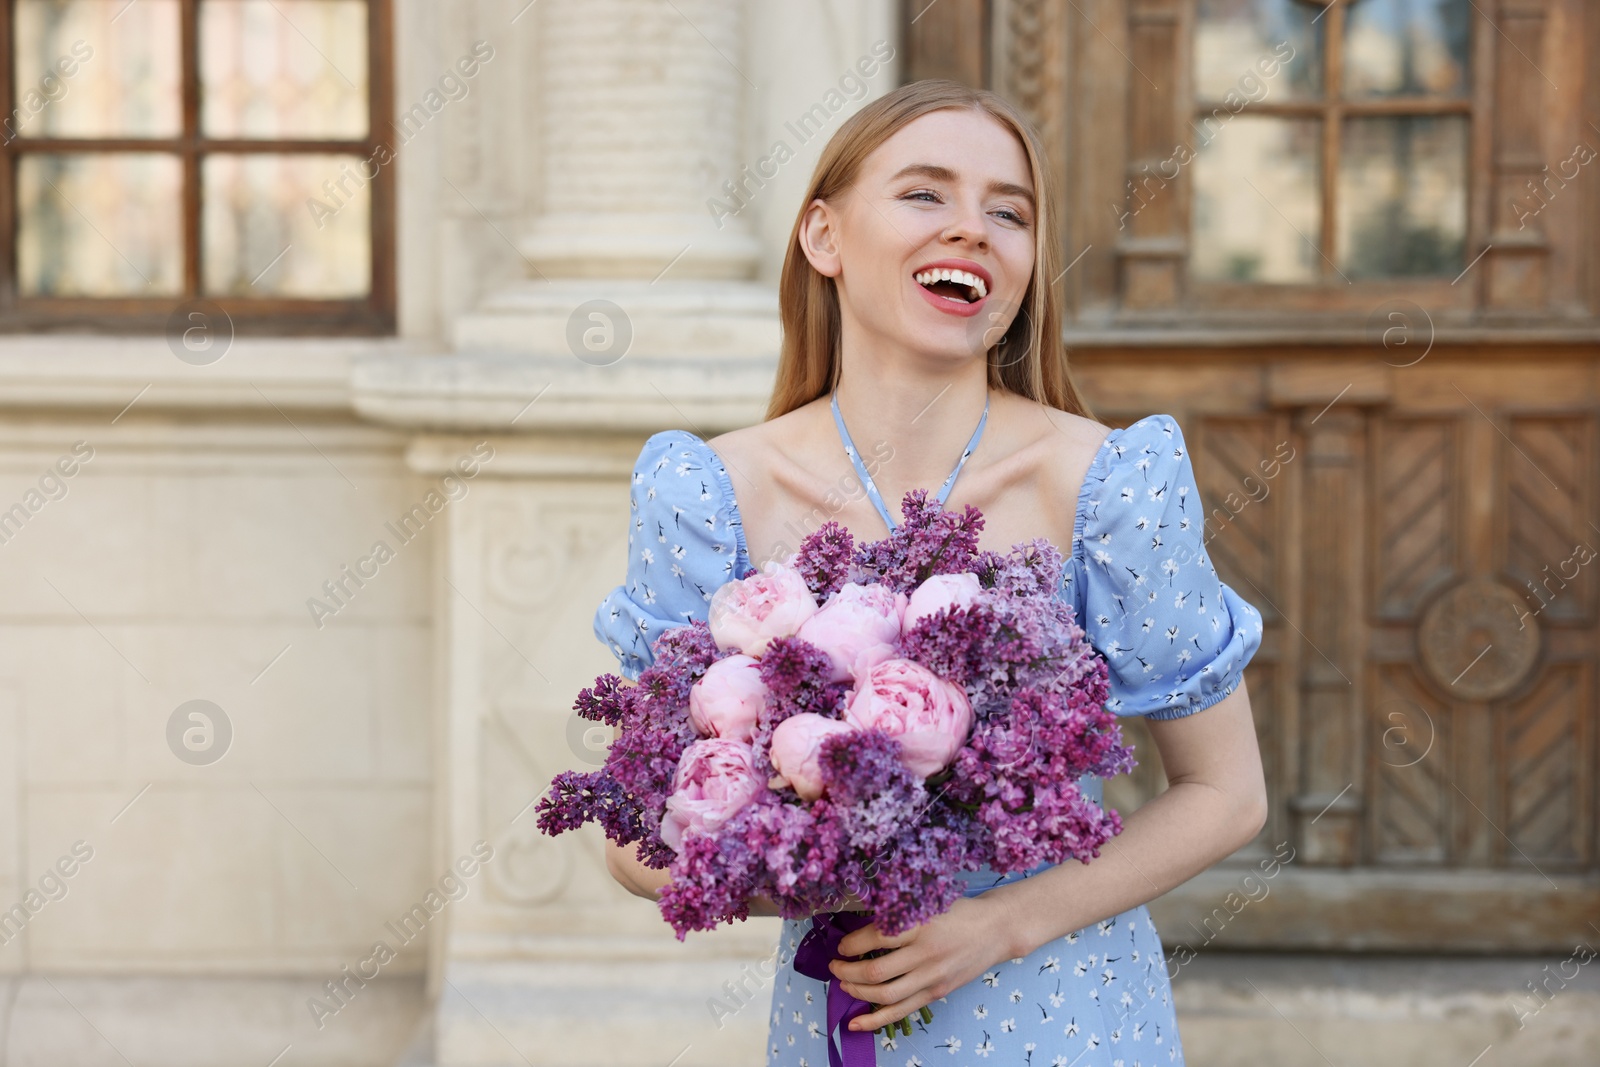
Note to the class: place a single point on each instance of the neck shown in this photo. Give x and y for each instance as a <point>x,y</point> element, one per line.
<point>925,418</point>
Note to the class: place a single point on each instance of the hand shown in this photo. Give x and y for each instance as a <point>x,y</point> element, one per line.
<point>926,962</point>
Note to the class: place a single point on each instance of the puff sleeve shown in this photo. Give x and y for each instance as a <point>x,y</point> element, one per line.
<point>1176,638</point>
<point>684,541</point>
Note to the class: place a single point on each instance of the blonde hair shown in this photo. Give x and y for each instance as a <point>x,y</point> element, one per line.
<point>808,366</point>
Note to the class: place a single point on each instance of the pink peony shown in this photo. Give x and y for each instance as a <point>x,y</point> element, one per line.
<point>930,716</point>
<point>727,698</point>
<point>796,745</point>
<point>854,619</point>
<point>715,779</point>
<point>747,614</point>
<point>941,591</point>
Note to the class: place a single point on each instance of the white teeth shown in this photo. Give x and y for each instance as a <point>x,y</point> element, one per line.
<point>943,274</point>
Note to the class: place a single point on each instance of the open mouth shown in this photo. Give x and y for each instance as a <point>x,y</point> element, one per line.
<point>952,284</point>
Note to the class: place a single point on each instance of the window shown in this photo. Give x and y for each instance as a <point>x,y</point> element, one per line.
<point>160,153</point>
<point>1331,142</point>
<point>1298,164</point>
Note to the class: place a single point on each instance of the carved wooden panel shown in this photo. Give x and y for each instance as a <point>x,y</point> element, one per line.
<point>1550,501</point>
<point>1027,62</point>
<point>1330,558</point>
<point>1484,630</point>
<point>1547,744</point>
<point>1409,760</point>
<point>1416,533</point>
<point>1244,468</point>
<point>1028,68</point>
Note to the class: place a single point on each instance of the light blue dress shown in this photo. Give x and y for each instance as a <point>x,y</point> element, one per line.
<point>1176,640</point>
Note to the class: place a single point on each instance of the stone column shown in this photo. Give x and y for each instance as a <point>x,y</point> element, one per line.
<point>641,107</point>
<point>633,291</point>
<point>640,118</point>
<point>639,310</point>
<point>546,960</point>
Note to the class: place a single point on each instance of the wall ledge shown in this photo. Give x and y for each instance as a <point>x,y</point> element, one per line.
<point>407,384</point>
<point>140,372</point>
<point>492,392</point>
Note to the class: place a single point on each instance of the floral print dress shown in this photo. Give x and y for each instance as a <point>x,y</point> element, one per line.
<point>1176,640</point>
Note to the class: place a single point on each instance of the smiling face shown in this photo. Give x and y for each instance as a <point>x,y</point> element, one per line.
<point>932,247</point>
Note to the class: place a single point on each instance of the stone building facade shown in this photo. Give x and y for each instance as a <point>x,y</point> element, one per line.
<point>291,631</point>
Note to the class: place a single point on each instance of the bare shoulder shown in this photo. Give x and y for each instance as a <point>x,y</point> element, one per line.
<point>751,448</point>
<point>736,445</point>
<point>758,455</point>
<point>1078,431</point>
<point>1059,444</point>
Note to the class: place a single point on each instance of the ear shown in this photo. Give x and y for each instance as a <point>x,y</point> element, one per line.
<point>819,238</point>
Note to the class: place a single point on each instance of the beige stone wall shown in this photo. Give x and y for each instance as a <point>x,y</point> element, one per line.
<point>177,567</point>
<point>376,741</point>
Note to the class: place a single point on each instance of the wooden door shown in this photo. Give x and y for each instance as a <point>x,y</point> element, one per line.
<point>1405,306</point>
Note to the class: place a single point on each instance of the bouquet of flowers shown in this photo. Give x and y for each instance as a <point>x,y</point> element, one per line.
<point>857,722</point>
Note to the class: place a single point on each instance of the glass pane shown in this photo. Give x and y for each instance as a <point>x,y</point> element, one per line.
<point>283,68</point>
<point>1257,202</point>
<point>281,225</point>
<point>1407,47</point>
<point>1403,196</point>
<point>99,225</point>
<point>1257,49</point>
<point>96,68</point>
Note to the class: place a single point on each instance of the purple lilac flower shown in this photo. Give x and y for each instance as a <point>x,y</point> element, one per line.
<point>795,673</point>
<point>824,559</point>
<point>929,541</point>
<point>681,656</point>
<point>713,879</point>
<point>1030,569</point>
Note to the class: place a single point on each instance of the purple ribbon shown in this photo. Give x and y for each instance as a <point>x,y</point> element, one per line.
<point>817,949</point>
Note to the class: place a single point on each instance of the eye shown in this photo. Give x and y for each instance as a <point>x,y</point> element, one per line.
<point>1014,216</point>
<point>915,193</point>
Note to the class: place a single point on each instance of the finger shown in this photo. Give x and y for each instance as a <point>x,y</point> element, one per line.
<point>863,939</point>
<point>870,937</point>
<point>891,991</point>
<point>890,1013</point>
<point>878,969</point>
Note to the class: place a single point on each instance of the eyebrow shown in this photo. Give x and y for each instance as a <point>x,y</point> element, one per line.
<point>944,174</point>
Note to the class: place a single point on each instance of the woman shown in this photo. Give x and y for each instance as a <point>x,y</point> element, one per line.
<point>919,314</point>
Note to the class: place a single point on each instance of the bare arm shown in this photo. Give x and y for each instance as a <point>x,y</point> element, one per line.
<point>1215,804</point>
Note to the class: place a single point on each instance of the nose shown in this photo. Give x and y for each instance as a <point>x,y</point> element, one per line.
<point>968,227</point>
